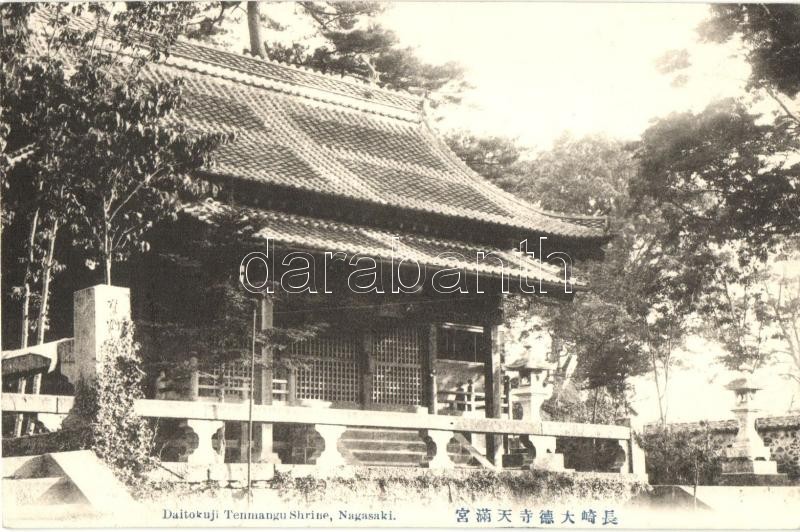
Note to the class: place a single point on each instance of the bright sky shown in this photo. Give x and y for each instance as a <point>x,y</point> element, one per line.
<point>542,68</point>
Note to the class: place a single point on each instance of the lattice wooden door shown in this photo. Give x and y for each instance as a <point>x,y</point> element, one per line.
<point>327,368</point>
<point>397,379</point>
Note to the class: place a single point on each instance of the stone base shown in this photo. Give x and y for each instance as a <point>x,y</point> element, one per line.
<point>749,467</point>
<point>515,460</point>
<point>548,462</point>
<point>545,462</point>
<point>754,479</point>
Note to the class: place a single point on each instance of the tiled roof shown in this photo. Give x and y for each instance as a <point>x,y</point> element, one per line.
<point>316,132</point>
<point>314,234</point>
<point>311,131</point>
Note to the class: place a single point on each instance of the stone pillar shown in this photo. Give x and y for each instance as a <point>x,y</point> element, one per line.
<point>748,460</point>
<point>437,441</point>
<point>94,309</point>
<point>543,451</point>
<point>205,454</point>
<point>330,456</point>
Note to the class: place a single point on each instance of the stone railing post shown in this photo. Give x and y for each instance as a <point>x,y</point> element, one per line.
<point>204,453</point>
<point>542,449</point>
<point>437,441</point>
<point>330,456</point>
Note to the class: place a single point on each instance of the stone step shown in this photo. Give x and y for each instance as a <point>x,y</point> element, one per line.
<point>38,466</point>
<point>389,457</point>
<point>459,465</point>
<point>360,433</point>
<point>383,445</point>
<point>39,491</point>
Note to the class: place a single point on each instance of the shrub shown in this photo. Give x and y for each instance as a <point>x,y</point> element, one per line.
<point>51,442</point>
<point>119,437</point>
<point>457,486</point>
<point>681,457</point>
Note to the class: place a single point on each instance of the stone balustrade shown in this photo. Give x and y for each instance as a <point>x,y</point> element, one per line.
<point>206,419</point>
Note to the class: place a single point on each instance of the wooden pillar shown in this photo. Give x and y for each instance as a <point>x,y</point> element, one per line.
<point>263,375</point>
<point>494,389</point>
<point>431,386</point>
<point>265,371</point>
<point>194,379</point>
<point>367,369</point>
<point>291,386</point>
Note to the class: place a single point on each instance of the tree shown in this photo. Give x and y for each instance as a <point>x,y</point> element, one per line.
<point>730,176</point>
<point>724,174</point>
<point>139,161</point>
<point>495,158</point>
<point>643,294</point>
<point>66,101</point>
<point>783,307</point>
<point>770,34</point>
<point>344,40</point>
<point>753,305</point>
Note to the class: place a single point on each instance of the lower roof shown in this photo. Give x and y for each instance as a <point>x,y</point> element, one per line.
<point>320,235</point>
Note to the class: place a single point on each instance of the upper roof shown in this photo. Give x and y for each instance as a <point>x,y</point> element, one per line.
<point>340,136</point>
<point>307,130</point>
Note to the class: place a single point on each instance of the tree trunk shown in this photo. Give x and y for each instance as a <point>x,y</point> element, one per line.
<point>47,271</point>
<point>257,47</point>
<point>106,249</point>
<point>26,289</point>
<point>659,396</point>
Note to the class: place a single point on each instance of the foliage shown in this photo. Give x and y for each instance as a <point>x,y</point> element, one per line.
<point>782,296</point>
<point>599,406</point>
<point>681,457</point>
<point>52,442</point>
<point>344,39</point>
<point>467,486</point>
<point>645,291</point>
<point>495,158</point>
<point>100,158</point>
<point>722,175</point>
<point>119,436</point>
<point>770,34</point>
<point>213,318</point>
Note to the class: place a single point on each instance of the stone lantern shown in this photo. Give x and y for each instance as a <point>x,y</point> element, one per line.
<point>535,387</point>
<point>748,460</point>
